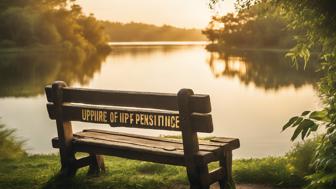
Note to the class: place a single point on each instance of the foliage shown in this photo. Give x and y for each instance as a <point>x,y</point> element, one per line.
<point>58,23</point>
<point>10,147</point>
<point>315,19</point>
<point>301,155</point>
<point>146,32</point>
<point>260,26</point>
<point>318,20</point>
<point>287,171</point>
<point>270,171</point>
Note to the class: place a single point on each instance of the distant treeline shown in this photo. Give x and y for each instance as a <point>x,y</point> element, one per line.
<point>260,26</point>
<point>147,32</point>
<point>52,23</point>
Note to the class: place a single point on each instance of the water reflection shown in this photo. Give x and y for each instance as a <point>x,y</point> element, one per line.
<point>26,74</point>
<point>136,51</point>
<point>270,71</point>
<point>253,115</point>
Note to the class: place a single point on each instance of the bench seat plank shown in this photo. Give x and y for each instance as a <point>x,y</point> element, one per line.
<point>223,142</point>
<point>156,149</point>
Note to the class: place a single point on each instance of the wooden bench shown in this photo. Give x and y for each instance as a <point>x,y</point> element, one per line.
<point>185,112</point>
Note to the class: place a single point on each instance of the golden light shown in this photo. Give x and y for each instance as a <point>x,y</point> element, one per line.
<point>236,64</point>
<point>181,13</point>
<point>219,67</point>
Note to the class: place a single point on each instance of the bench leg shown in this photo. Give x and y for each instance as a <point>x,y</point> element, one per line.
<point>199,177</point>
<point>97,165</point>
<point>68,167</point>
<point>226,165</point>
<point>204,176</point>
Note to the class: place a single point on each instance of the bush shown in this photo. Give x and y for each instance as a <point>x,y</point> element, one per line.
<point>301,157</point>
<point>288,171</point>
<point>10,146</point>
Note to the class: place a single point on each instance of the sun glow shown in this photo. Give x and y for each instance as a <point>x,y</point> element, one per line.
<point>186,13</point>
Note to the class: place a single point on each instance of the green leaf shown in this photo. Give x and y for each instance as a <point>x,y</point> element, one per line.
<point>305,113</point>
<point>289,123</point>
<point>319,115</point>
<point>297,122</point>
<point>306,129</point>
<point>306,123</point>
<point>312,129</point>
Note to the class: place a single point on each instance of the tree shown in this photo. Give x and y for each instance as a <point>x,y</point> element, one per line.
<point>260,26</point>
<point>56,23</point>
<point>316,20</point>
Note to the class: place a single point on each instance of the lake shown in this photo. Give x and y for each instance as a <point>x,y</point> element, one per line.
<point>252,93</point>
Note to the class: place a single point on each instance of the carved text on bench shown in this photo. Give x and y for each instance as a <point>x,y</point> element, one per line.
<point>130,118</point>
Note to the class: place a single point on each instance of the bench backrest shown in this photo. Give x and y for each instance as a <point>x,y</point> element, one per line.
<point>183,111</point>
<point>130,109</point>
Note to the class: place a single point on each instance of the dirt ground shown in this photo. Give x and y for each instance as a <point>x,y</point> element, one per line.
<point>240,186</point>
<point>251,186</point>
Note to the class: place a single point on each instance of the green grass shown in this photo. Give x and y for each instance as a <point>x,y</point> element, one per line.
<point>19,170</point>
<point>41,171</point>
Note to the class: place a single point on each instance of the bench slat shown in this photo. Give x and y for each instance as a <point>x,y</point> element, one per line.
<point>167,157</point>
<point>198,103</point>
<point>216,175</point>
<point>228,144</point>
<point>160,144</point>
<point>74,112</point>
<point>94,139</point>
<point>128,151</point>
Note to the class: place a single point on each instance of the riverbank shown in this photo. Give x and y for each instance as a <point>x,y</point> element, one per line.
<point>40,171</point>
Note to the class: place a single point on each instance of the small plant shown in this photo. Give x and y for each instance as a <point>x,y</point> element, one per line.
<point>10,146</point>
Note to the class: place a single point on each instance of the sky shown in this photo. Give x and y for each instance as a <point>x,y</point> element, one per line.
<point>180,13</point>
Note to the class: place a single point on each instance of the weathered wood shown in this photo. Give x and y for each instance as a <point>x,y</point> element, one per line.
<point>216,175</point>
<point>162,144</point>
<point>204,175</point>
<point>222,139</point>
<point>128,151</point>
<point>201,156</point>
<point>133,142</point>
<point>189,137</point>
<point>64,131</point>
<point>230,143</point>
<point>234,142</point>
<point>226,166</point>
<point>97,165</point>
<point>198,103</point>
<point>131,117</point>
<point>82,162</point>
<point>184,112</point>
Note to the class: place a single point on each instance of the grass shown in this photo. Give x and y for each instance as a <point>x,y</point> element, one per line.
<point>19,170</point>
<point>41,171</point>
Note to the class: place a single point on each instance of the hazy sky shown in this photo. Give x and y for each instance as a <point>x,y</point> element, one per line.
<point>182,13</point>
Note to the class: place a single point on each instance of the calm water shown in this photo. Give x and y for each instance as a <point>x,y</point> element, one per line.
<point>252,94</point>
